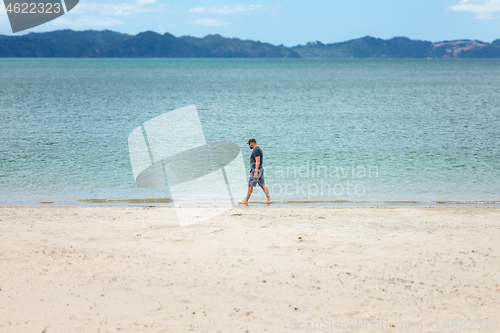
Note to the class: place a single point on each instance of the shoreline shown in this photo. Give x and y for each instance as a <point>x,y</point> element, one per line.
<point>134,269</point>
<point>167,202</point>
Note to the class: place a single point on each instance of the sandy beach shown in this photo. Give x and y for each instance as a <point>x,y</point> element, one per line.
<point>250,269</point>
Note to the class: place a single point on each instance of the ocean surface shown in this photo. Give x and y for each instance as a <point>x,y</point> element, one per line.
<point>332,131</point>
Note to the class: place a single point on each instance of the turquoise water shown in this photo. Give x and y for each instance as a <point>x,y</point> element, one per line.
<point>331,130</point>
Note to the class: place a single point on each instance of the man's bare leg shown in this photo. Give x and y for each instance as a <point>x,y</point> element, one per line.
<point>249,193</point>
<point>266,191</point>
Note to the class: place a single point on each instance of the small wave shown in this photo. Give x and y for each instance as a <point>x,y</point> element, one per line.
<point>148,200</point>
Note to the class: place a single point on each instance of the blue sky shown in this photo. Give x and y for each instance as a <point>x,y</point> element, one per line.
<point>289,22</point>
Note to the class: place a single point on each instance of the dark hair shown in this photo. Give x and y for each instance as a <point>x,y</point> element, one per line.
<point>251,140</point>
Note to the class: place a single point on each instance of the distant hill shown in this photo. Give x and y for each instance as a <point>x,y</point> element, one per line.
<point>399,47</point>
<point>367,47</point>
<point>149,44</point>
<point>216,46</point>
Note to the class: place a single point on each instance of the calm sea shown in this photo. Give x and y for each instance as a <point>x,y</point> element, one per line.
<point>356,131</point>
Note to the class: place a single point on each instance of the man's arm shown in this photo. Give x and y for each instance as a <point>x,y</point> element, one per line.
<point>257,163</point>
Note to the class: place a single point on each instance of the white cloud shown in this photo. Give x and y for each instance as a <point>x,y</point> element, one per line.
<point>123,9</point>
<point>87,22</point>
<point>3,13</point>
<point>483,9</point>
<point>209,22</point>
<point>228,9</point>
<point>4,19</point>
<point>102,15</point>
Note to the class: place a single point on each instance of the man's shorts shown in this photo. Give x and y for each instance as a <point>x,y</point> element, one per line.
<point>252,181</point>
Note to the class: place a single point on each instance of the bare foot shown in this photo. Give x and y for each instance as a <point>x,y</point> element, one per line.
<point>243,202</point>
<point>268,201</point>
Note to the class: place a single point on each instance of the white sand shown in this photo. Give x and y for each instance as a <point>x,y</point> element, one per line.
<point>255,269</point>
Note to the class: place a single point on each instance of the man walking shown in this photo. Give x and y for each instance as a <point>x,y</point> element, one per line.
<point>256,171</point>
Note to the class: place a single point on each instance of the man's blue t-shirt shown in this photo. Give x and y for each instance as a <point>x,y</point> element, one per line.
<point>256,152</point>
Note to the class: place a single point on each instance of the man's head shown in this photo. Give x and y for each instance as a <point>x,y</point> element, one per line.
<point>252,143</point>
